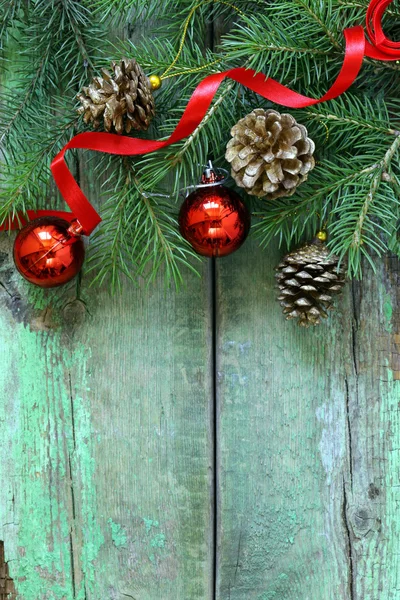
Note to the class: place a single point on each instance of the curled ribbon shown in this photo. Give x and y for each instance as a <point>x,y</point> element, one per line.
<point>357,46</point>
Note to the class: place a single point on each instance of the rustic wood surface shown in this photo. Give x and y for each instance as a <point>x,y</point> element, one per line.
<point>106,468</point>
<point>107,442</point>
<point>307,445</point>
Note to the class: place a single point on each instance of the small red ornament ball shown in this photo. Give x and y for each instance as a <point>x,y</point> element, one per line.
<point>214,220</point>
<point>49,251</point>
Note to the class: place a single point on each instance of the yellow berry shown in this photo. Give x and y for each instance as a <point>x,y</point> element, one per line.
<point>155,82</point>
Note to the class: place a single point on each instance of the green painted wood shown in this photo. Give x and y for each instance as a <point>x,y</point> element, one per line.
<point>308,452</point>
<point>373,408</point>
<point>106,470</point>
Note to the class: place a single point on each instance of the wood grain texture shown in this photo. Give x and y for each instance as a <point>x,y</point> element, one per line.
<point>308,452</point>
<point>373,405</point>
<point>106,470</point>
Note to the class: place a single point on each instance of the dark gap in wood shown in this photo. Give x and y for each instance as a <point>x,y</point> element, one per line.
<point>71,397</point>
<point>348,543</point>
<point>213,307</point>
<point>71,551</point>
<point>7,589</point>
<point>72,488</point>
<point>211,42</point>
<point>5,289</point>
<point>355,301</point>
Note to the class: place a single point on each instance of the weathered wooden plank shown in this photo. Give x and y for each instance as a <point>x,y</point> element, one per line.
<point>284,477</point>
<point>105,474</point>
<point>373,405</point>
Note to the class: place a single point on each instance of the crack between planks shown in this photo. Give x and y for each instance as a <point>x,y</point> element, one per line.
<point>349,543</point>
<point>214,417</point>
<point>214,371</point>
<point>212,32</point>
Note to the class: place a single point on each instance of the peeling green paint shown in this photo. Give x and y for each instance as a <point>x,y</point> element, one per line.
<point>51,453</point>
<point>388,429</point>
<point>158,541</point>
<point>118,534</point>
<point>149,523</point>
<point>388,312</point>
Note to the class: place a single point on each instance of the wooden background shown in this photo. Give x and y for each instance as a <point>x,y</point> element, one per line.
<point>110,438</point>
<point>195,446</point>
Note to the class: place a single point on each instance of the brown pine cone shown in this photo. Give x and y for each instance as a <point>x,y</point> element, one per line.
<point>270,154</point>
<point>308,278</point>
<point>122,99</point>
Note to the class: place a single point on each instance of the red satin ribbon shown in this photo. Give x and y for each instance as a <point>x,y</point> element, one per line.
<point>357,47</point>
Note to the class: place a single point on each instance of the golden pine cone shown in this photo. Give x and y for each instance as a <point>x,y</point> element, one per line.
<point>122,99</point>
<point>270,154</point>
<point>308,278</point>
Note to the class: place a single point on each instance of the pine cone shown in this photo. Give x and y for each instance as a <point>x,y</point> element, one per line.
<point>270,154</point>
<point>307,279</point>
<point>123,99</point>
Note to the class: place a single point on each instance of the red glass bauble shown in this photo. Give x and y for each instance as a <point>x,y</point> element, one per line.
<point>49,251</point>
<point>214,220</point>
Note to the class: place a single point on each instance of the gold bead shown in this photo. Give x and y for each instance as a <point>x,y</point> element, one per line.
<point>155,82</point>
<point>322,236</point>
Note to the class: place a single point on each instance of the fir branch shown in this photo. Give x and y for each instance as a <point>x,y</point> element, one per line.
<point>312,7</point>
<point>26,97</point>
<point>139,234</point>
<point>22,178</point>
<point>74,18</point>
<point>57,29</point>
<point>343,121</point>
<point>381,167</point>
<point>390,11</point>
<point>193,137</point>
<point>9,11</point>
<point>117,12</point>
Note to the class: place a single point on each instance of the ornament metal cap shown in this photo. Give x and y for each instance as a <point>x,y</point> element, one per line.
<point>75,229</point>
<point>212,176</point>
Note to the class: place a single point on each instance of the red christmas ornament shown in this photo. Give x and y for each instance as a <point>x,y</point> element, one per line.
<point>49,251</point>
<point>213,218</point>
